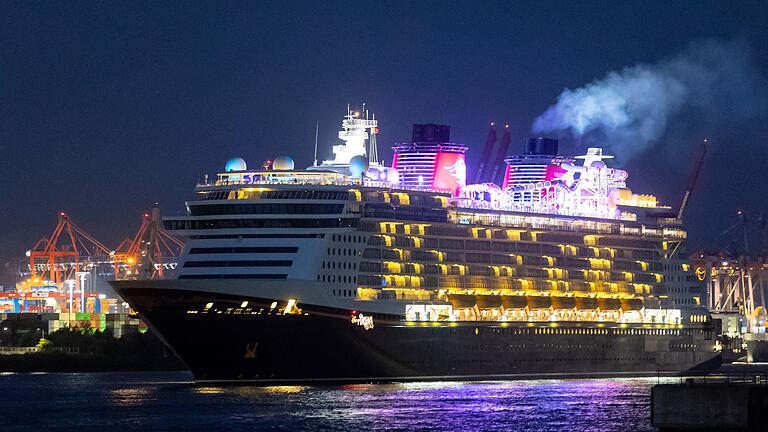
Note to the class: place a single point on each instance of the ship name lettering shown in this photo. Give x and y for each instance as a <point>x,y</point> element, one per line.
<point>364,321</point>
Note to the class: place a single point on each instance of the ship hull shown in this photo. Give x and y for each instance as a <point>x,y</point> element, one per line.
<point>255,339</point>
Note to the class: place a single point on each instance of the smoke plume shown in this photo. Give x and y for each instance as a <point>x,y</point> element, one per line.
<point>628,111</point>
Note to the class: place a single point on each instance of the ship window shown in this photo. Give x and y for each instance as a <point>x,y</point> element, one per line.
<point>250,236</point>
<point>268,208</point>
<point>291,195</point>
<point>235,276</point>
<point>260,223</point>
<point>251,263</point>
<point>221,250</point>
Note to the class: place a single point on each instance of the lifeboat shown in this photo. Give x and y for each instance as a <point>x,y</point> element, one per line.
<point>539,302</point>
<point>461,301</point>
<point>609,303</point>
<point>514,302</point>
<point>563,302</point>
<point>586,303</point>
<point>488,301</point>
<point>631,304</point>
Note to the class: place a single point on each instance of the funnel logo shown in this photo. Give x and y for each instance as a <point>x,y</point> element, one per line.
<point>458,171</point>
<point>450,172</point>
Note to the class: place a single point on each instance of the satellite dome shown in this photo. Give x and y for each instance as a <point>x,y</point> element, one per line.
<point>283,163</point>
<point>358,165</point>
<point>598,164</point>
<point>235,164</point>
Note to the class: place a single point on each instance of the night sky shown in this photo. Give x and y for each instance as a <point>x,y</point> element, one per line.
<point>108,107</point>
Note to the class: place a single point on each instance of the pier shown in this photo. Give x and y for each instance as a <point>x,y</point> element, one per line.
<point>732,400</point>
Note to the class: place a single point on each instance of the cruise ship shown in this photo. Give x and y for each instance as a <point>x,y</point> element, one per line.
<point>353,271</point>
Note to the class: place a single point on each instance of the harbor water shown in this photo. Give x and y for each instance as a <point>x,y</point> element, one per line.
<point>170,401</point>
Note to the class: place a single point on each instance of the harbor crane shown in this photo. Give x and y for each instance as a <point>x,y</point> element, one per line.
<point>692,179</point>
<point>68,251</point>
<point>151,251</point>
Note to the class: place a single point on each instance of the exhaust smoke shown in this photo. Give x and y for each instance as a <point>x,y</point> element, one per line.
<point>628,111</point>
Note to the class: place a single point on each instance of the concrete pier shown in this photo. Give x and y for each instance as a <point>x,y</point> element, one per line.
<point>722,406</point>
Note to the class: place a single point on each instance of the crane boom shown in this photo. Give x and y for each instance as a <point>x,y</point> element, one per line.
<point>499,160</point>
<point>692,179</point>
<point>490,142</point>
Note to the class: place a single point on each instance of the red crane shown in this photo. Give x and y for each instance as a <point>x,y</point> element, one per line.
<point>59,258</point>
<point>149,250</point>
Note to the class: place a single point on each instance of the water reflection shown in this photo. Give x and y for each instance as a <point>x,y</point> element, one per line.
<point>209,390</point>
<point>284,389</point>
<point>535,405</point>
<point>132,396</point>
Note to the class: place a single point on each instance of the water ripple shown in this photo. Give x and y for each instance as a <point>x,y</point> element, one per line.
<point>162,401</point>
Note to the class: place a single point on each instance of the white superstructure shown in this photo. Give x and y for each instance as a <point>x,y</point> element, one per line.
<point>355,132</point>
<point>309,229</point>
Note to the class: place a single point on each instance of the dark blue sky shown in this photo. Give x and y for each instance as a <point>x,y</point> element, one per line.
<point>107,107</point>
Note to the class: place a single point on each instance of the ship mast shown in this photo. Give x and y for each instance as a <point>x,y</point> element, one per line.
<point>354,133</point>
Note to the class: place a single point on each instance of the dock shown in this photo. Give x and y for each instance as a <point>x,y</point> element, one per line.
<point>730,400</point>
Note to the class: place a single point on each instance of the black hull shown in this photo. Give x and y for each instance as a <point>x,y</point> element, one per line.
<point>227,342</point>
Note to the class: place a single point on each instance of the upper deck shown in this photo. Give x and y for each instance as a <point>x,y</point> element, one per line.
<point>387,200</point>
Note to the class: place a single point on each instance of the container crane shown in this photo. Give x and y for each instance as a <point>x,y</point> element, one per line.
<point>692,179</point>
<point>506,139</point>
<point>490,142</point>
<point>147,254</point>
<point>59,257</point>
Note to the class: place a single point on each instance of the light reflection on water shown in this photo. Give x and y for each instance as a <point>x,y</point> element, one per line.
<point>208,390</point>
<point>141,401</point>
<point>132,396</point>
<point>284,389</point>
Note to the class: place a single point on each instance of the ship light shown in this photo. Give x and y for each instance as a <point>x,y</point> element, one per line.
<point>291,308</point>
